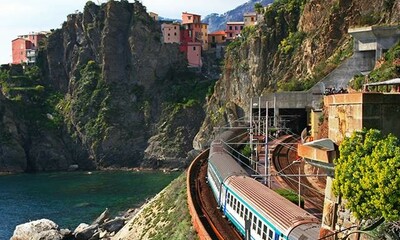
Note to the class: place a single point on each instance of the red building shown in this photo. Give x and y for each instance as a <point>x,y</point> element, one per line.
<point>192,38</point>
<point>24,48</point>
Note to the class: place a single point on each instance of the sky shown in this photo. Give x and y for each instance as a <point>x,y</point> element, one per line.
<point>19,17</point>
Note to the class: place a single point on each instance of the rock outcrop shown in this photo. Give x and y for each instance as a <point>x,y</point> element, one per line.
<point>42,229</point>
<point>295,46</point>
<point>115,76</point>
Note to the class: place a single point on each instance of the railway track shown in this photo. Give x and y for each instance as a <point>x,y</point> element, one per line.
<point>284,155</point>
<point>212,221</point>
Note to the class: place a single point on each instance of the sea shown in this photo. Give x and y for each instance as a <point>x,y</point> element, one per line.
<point>71,198</point>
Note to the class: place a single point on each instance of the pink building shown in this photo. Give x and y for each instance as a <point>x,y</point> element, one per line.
<point>171,32</point>
<point>233,29</point>
<point>24,48</point>
<point>194,54</point>
<point>192,23</point>
<point>192,38</point>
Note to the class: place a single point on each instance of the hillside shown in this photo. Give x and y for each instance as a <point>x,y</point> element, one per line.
<point>217,21</point>
<point>298,43</point>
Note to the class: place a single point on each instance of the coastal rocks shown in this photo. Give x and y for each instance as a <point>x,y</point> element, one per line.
<point>103,227</point>
<point>42,229</point>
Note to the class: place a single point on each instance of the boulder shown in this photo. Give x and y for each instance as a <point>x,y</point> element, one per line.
<point>103,217</point>
<point>35,230</point>
<point>113,225</point>
<point>48,235</point>
<point>85,231</point>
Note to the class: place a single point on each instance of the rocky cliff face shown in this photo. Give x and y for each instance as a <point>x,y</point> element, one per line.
<point>116,78</point>
<point>296,45</point>
<point>116,73</point>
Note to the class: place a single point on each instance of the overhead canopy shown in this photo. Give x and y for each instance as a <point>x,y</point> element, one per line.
<point>395,81</point>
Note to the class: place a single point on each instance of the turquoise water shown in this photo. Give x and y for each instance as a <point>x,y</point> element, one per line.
<point>71,198</point>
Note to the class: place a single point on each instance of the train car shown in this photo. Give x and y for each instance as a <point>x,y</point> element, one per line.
<point>252,207</point>
<point>221,165</point>
<point>270,216</point>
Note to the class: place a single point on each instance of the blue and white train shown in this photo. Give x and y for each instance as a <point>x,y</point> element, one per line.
<point>254,209</point>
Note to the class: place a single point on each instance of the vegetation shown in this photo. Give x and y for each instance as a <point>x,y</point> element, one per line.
<point>291,196</point>
<point>34,103</point>
<point>89,103</point>
<point>188,92</point>
<point>167,217</point>
<point>367,175</point>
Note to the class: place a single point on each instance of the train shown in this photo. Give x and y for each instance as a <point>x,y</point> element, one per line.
<point>256,211</point>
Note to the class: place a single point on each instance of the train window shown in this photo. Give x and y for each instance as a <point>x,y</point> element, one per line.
<point>250,215</point>
<point>246,213</point>
<point>264,232</point>
<point>241,211</point>
<point>254,222</point>
<point>270,234</point>
<point>259,227</point>
<point>234,204</point>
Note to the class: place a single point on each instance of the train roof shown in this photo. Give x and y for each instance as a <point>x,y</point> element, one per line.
<point>292,220</point>
<point>223,162</point>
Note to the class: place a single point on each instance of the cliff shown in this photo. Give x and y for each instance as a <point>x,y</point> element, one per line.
<point>118,77</point>
<point>296,45</point>
<point>116,80</point>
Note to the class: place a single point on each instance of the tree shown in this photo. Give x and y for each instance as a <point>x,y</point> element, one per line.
<point>258,8</point>
<point>367,175</point>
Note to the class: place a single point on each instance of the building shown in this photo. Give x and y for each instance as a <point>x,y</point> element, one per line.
<point>250,19</point>
<point>24,48</point>
<point>216,38</point>
<point>194,54</point>
<point>204,36</point>
<point>154,16</point>
<point>233,29</point>
<point>192,38</point>
<point>171,32</point>
<point>192,23</point>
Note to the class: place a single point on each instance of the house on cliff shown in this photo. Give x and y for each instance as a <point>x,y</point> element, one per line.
<point>25,47</point>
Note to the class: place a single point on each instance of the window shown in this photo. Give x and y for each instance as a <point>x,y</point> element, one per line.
<point>264,232</point>
<point>259,225</point>
<point>246,212</point>
<point>254,223</point>
<point>230,34</point>
<point>236,28</point>
<point>270,234</point>
<point>169,34</point>
<point>241,211</point>
<point>241,27</point>
<point>194,48</point>
<point>189,17</point>
<point>175,34</point>
<point>230,27</point>
<point>175,27</point>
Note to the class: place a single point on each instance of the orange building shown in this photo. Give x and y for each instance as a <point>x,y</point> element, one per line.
<point>204,36</point>
<point>24,48</point>
<point>216,38</point>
